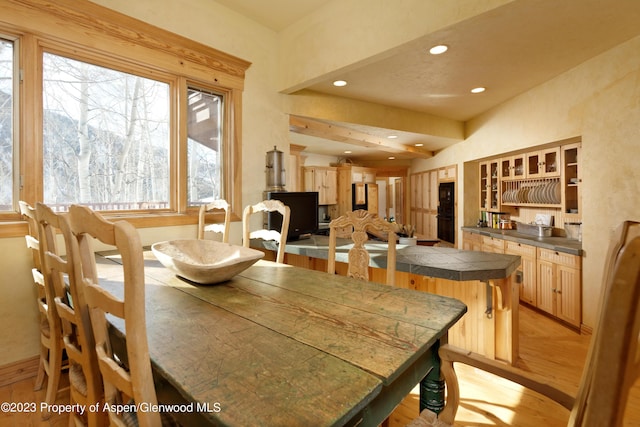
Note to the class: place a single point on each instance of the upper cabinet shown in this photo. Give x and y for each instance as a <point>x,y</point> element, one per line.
<point>512,167</point>
<point>324,180</point>
<point>548,177</point>
<point>571,179</point>
<point>490,185</point>
<point>543,163</point>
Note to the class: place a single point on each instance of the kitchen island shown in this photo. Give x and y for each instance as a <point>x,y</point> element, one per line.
<point>483,281</point>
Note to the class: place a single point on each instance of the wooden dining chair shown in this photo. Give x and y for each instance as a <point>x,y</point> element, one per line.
<point>51,363</point>
<point>62,272</point>
<point>279,236</point>
<point>362,222</point>
<point>133,382</point>
<point>223,228</point>
<point>613,362</point>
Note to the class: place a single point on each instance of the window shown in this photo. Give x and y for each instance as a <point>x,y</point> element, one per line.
<point>114,113</point>
<point>204,128</point>
<point>6,125</point>
<point>105,137</point>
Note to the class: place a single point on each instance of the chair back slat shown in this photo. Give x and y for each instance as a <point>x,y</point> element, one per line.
<point>136,381</point>
<point>63,273</point>
<point>216,205</point>
<point>279,236</point>
<point>52,345</point>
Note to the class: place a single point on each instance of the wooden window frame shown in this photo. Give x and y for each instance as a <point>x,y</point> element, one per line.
<point>92,33</point>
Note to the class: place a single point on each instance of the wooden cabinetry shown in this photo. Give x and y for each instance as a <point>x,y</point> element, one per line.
<point>512,167</point>
<point>548,178</point>
<point>365,175</point>
<point>492,244</point>
<point>372,197</point>
<point>571,180</point>
<point>471,241</point>
<point>447,173</point>
<point>559,285</point>
<point>490,186</point>
<point>526,274</point>
<point>324,180</point>
<point>543,163</point>
<point>548,280</point>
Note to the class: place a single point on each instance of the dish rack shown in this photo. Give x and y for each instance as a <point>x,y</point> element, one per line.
<point>532,192</point>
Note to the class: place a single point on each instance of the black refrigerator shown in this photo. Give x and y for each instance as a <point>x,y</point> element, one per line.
<point>446,212</point>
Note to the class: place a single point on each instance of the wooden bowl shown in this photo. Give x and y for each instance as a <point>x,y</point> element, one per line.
<point>206,262</point>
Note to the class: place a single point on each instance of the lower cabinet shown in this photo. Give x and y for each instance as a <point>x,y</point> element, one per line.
<point>526,275</point>
<point>549,280</point>
<point>471,241</point>
<point>559,289</point>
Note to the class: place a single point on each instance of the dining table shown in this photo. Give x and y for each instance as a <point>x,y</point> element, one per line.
<point>279,345</point>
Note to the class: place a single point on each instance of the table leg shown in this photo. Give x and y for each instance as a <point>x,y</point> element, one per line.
<point>432,386</point>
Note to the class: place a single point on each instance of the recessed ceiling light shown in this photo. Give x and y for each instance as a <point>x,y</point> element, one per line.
<point>391,158</point>
<point>419,144</point>
<point>392,136</point>
<point>437,50</point>
<point>339,83</point>
<point>347,152</point>
<point>478,90</point>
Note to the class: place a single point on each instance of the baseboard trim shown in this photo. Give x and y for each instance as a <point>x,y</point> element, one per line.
<point>18,371</point>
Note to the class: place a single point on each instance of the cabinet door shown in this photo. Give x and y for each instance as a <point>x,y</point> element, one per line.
<point>433,225</point>
<point>512,167</point>
<point>360,193</point>
<point>571,199</point>
<point>492,244</point>
<point>546,292</point>
<point>433,191</point>
<point>447,173</point>
<point>329,187</point>
<point>568,305</point>
<point>416,190</point>
<point>528,284</point>
<point>543,163</point>
<point>372,198</point>
<point>369,177</point>
<point>526,271</point>
<point>471,241</point>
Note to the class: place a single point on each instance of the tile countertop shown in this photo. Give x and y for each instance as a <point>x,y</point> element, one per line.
<point>431,261</point>
<point>559,244</point>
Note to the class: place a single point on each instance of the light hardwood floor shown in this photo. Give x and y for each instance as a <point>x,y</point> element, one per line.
<point>546,348</point>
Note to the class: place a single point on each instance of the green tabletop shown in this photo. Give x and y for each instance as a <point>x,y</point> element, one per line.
<point>278,344</point>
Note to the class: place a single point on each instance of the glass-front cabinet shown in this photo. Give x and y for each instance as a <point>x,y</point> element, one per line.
<point>512,167</point>
<point>571,179</point>
<point>543,163</point>
<point>547,178</point>
<point>490,185</point>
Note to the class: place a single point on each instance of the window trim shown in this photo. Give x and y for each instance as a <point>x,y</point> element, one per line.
<point>63,27</point>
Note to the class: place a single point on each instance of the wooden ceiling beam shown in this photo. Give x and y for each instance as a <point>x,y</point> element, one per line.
<point>345,135</point>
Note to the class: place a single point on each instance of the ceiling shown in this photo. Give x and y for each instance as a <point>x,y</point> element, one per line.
<point>508,50</point>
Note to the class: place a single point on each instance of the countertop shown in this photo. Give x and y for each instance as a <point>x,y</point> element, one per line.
<point>559,244</point>
<point>431,261</point>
